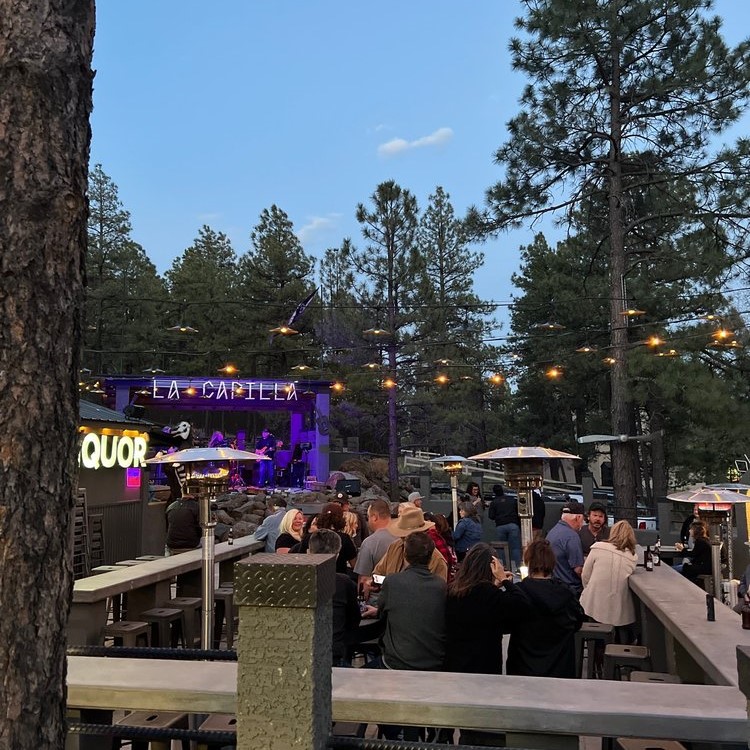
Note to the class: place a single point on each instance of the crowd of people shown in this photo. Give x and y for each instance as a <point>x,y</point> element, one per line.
<point>438,598</point>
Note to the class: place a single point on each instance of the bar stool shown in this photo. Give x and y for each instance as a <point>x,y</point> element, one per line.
<point>115,603</point>
<point>156,719</point>
<point>163,621</point>
<point>217,723</point>
<point>628,743</point>
<point>616,657</point>
<point>591,634</point>
<point>224,613</point>
<point>655,677</point>
<point>503,547</point>
<point>104,569</point>
<point>191,617</point>
<point>127,632</point>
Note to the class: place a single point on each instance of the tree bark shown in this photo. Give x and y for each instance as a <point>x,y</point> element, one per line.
<point>624,456</point>
<point>45,103</point>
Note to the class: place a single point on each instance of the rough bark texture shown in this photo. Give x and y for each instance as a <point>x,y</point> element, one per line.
<point>45,103</point>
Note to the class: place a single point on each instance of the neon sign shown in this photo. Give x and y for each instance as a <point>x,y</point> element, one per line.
<point>108,451</point>
<point>223,390</point>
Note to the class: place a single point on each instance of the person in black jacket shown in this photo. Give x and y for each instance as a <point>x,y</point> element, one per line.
<point>476,614</point>
<point>545,616</point>
<point>346,612</point>
<point>183,525</point>
<point>504,512</point>
<point>698,559</point>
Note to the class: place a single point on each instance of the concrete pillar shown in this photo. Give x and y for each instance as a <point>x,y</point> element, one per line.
<point>284,651</point>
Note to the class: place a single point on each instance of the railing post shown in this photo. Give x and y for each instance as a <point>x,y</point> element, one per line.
<point>743,673</point>
<point>284,651</point>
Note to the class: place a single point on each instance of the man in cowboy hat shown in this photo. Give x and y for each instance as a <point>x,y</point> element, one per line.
<point>394,560</point>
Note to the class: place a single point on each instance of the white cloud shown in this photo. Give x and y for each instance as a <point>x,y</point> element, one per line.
<point>317,225</point>
<point>398,145</point>
<point>207,218</point>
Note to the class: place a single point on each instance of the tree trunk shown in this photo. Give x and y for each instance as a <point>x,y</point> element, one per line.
<point>45,103</point>
<point>624,456</point>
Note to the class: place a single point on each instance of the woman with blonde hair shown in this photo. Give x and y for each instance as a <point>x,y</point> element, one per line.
<point>351,527</point>
<point>290,530</point>
<point>606,595</point>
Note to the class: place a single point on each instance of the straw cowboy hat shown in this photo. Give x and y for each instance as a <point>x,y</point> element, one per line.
<point>411,520</point>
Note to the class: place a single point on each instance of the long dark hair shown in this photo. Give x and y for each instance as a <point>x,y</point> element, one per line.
<point>476,568</point>
<point>331,517</point>
<point>444,528</point>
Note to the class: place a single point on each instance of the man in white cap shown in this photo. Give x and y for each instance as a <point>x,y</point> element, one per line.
<point>416,498</point>
<point>566,544</point>
<point>394,560</point>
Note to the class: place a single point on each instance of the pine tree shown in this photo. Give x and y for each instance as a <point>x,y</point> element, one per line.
<point>45,104</point>
<point>202,292</point>
<point>389,264</point>
<point>125,297</point>
<point>625,97</point>
<point>275,276</point>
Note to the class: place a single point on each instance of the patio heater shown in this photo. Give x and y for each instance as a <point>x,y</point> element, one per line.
<point>207,476</point>
<point>715,505</point>
<point>524,472</point>
<point>453,466</point>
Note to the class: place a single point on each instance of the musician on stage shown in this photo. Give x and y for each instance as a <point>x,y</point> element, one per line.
<point>266,445</point>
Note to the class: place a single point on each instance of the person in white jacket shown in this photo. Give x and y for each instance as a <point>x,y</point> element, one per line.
<point>606,595</point>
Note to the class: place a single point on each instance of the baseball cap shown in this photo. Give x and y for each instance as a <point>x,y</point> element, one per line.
<point>341,497</point>
<point>575,509</point>
<point>414,496</point>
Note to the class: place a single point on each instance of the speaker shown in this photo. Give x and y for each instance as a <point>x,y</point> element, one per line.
<point>134,411</point>
<point>352,487</point>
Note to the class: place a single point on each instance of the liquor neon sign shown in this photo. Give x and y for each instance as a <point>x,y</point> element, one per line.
<point>110,451</point>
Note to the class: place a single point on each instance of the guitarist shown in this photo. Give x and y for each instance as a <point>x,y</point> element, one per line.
<point>266,445</point>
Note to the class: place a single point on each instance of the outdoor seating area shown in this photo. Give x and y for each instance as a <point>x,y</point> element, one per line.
<point>158,600</point>
<point>697,658</point>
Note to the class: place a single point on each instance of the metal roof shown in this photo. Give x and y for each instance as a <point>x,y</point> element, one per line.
<point>97,413</point>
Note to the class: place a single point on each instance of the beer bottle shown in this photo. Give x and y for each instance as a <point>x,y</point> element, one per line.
<point>657,551</point>
<point>648,560</point>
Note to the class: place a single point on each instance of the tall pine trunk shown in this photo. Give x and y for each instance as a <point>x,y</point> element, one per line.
<point>624,456</point>
<point>45,103</point>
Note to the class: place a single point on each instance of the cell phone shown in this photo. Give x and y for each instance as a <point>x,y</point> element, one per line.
<point>378,579</point>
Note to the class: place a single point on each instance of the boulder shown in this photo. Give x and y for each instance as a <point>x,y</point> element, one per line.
<point>242,528</point>
<point>223,517</point>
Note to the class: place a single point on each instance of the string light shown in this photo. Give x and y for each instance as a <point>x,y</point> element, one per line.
<point>496,379</point>
<point>632,312</point>
<point>442,379</point>
<point>654,341</point>
<point>586,349</point>
<point>549,326</point>
<point>389,383</point>
<point>284,331</point>
<point>180,328</point>
<point>229,369</point>
<point>554,373</point>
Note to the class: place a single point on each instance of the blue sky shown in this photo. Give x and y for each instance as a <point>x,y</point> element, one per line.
<point>207,113</point>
